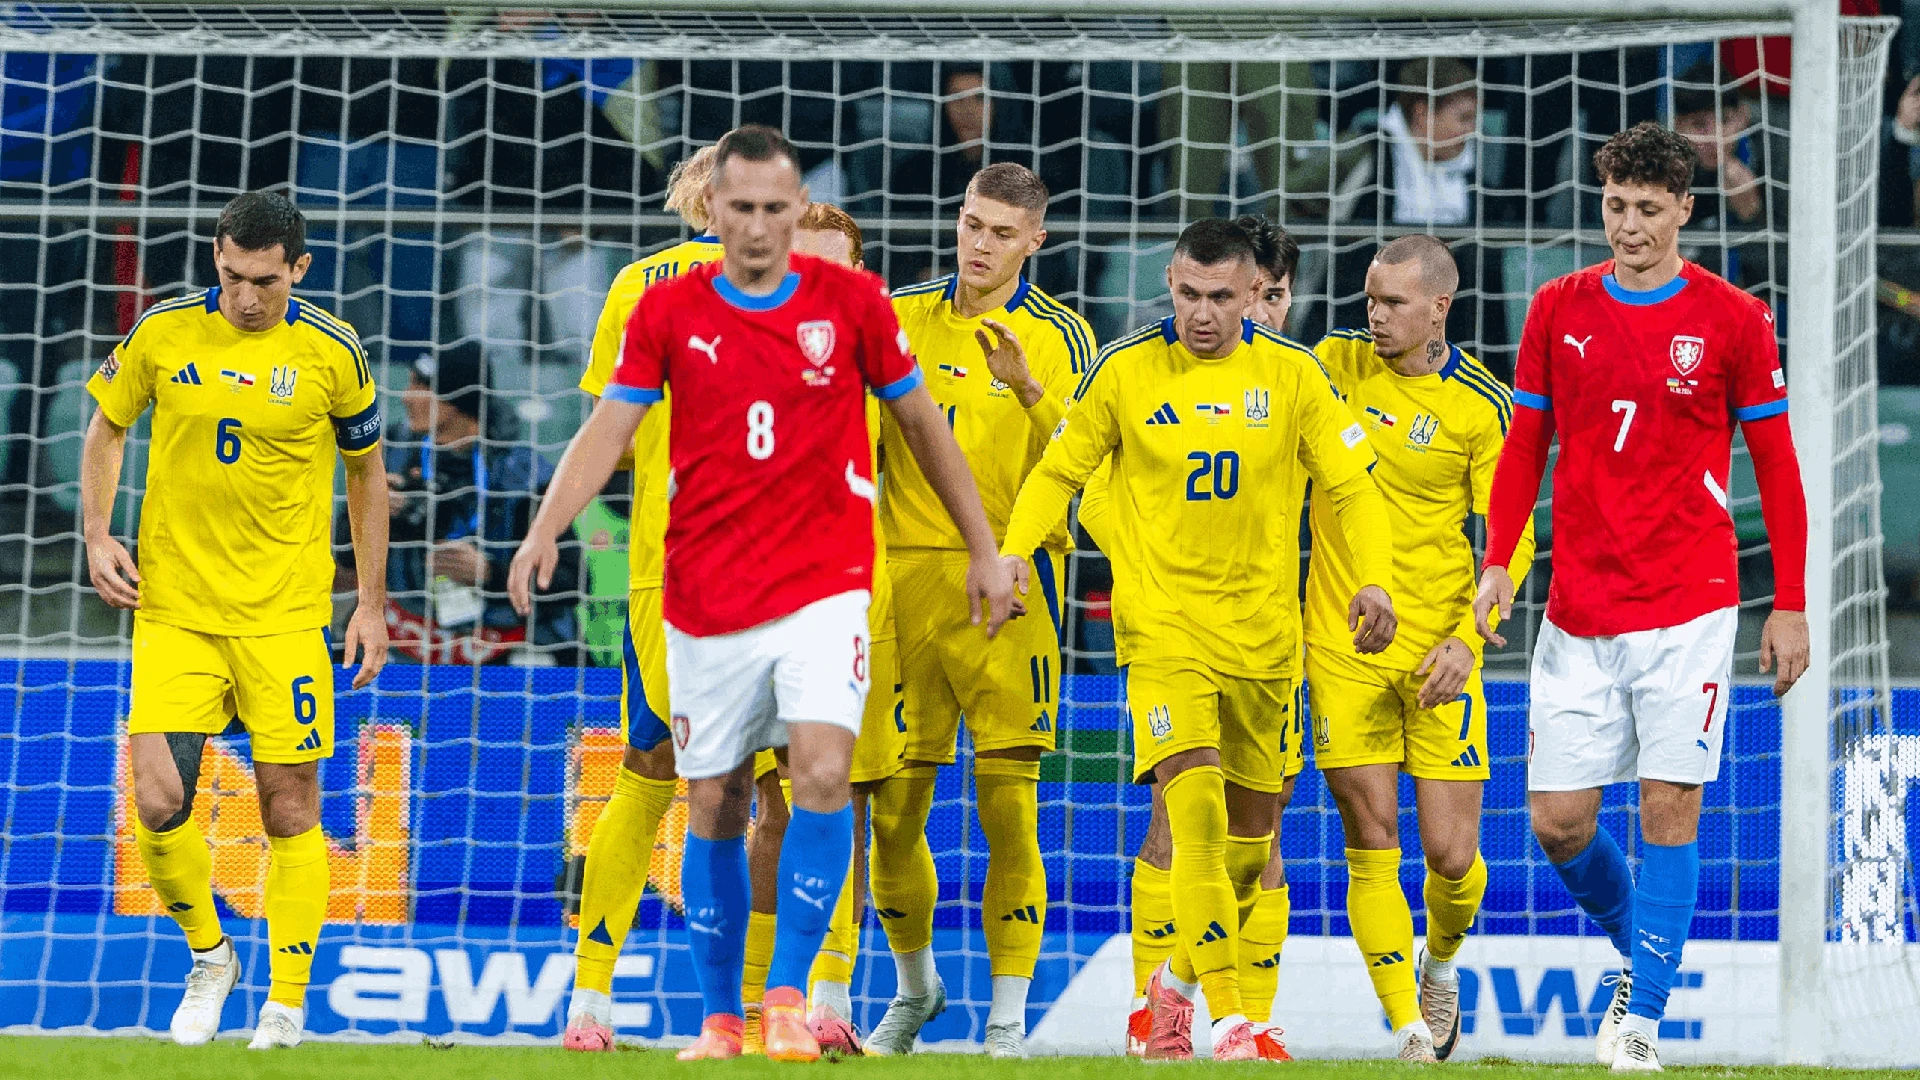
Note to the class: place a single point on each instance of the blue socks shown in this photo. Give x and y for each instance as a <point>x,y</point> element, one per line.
<point>718,898</point>
<point>813,868</point>
<point>1662,914</point>
<point>1601,882</point>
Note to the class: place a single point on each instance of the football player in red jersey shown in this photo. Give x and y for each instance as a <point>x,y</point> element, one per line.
<point>1642,365</point>
<point>769,553</point>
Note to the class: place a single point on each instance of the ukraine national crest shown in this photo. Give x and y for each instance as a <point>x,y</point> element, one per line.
<point>816,340</point>
<point>1686,353</point>
<point>1423,429</point>
<point>1257,402</point>
<point>280,384</point>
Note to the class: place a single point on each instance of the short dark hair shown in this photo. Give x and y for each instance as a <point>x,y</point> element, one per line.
<point>1697,90</point>
<point>1212,241</point>
<point>1011,183</point>
<point>753,142</point>
<point>1438,271</point>
<point>1429,82</point>
<point>1647,153</point>
<point>1274,248</point>
<point>457,375</point>
<point>258,220</point>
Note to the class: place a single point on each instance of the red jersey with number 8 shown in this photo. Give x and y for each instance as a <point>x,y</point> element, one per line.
<point>771,490</point>
<point>1644,389</point>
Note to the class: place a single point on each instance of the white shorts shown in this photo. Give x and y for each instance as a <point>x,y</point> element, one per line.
<point>1651,705</point>
<point>734,694</point>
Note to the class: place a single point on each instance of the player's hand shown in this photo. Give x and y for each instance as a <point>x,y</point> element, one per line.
<point>990,592</point>
<point>460,561</point>
<point>1446,669</point>
<point>367,642</point>
<point>1496,591</point>
<point>1371,616</point>
<point>1007,360</point>
<point>1784,648</point>
<point>115,576</point>
<point>533,566</point>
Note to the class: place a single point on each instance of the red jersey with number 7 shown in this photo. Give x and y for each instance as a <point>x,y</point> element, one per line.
<point>771,491</point>
<point>1644,389</point>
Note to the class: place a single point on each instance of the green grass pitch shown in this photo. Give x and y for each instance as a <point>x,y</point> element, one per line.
<point>33,1057</point>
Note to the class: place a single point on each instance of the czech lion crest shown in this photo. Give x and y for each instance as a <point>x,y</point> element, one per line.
<point>1686,352</point>
<point>816,340</point>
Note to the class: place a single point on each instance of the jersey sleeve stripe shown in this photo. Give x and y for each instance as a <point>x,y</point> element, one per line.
<point>1760,411</point>
<point>1484,385</point>
<point>633,395</point>
<point>1501,411</point>
<point>1286,342</point>
<point>1078,350</point>
<point>938,284</point>
<point>899,387</point>
<point>1351,335</point>
<point>1538,402</point>
<point>178,303</point>
<point>345,340</point>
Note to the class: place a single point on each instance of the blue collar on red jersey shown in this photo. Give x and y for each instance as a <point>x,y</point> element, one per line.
<point>748,302</point>
<point>1642,297</point>
<point>1013,302</point>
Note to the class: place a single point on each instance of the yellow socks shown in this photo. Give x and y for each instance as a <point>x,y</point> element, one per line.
<point>1261,938</point>
<point>905,885</point>
<point>181,869</point>
<point>1451,907</point>
<point>753,980</point>
<point>1247,858</point>
<point>1383,928</point>
<point>1153,935</point>
<point>1014,902</point>
<point>618,856</point>
<point>1205,912</point>
<point>834,962</point>
<point>296,905</point>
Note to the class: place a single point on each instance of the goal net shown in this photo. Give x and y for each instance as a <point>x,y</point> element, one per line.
<point>477,174</point>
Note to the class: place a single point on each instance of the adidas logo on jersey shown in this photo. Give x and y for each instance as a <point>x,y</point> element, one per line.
<point>1028,914</point>
<point>1215,932</point>
<point>889,913</point>
<point>1389,959</point>
<point>311,742</point>
<point>179,906</point>
<point>1044,724</point>
<point>189,376</point>
<point>1468,759</point>
<point>1158,932</point>
<point>1164,414</point>
<point>1269,962</point>
<point>298,948</point>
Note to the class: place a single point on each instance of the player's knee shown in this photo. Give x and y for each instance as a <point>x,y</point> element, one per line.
<point>1562,838</point>
<point>161,810</point>
<point>820,781</point>
<point>1450,864</point>
<point>652,764</point>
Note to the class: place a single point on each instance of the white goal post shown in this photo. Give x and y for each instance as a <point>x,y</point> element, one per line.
<point>1849,979</point>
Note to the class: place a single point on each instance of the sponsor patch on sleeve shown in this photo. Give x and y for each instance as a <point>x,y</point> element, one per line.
<point>110,366</point>
<point>1060,428</point>
<point>1779,379</point>
<point>1352,435</point>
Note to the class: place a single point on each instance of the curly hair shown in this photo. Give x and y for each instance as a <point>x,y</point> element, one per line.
<point>1648,154</point>
<point>823,217</point>
<point>687,187</point>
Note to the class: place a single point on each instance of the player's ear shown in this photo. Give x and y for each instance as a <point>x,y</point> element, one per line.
<point>1686,208</point>
<point>300,266</point>
<point>1442,304</point>
<point>1039,237</point>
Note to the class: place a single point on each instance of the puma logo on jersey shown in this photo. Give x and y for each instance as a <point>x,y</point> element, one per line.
<point>1580,344</point>
<point>708,347</point>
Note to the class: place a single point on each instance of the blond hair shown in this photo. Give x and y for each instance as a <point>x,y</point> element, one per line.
<point>687,187</point>
<point>822,217</point>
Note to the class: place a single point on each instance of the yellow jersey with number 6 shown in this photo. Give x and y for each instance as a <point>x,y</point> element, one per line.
<point>237,521</point>
<point>1437,437</point>
<point>647,533</point>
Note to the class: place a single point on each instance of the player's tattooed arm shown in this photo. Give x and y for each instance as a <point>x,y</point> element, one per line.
<point>585,468</point>
<point>1447,666</point>
<point>110,566</point>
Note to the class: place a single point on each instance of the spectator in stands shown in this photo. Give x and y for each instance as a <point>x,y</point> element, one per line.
<point>932,182</point>
<point>1738,181</point>
<point>461,503</point>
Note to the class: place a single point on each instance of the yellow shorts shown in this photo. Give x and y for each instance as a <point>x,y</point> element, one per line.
<point>1180,705</point>
<point>643,673</point>
<point>280,686</point>
<point>1008,687</point>
<point>1369,715</point>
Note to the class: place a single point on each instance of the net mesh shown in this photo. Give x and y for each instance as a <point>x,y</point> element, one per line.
<point>479,176</point>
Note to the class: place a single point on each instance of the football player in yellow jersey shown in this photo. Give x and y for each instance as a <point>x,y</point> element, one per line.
<point>1001,359</point>
<point>1265,933</point>
<point>620,850</point>
<point>253,394</point>
<point>1436,419</point>
<point>1205,415</point>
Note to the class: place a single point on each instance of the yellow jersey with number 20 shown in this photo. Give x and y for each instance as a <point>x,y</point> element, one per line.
<point>236,526</point>
<point>1205,512</point>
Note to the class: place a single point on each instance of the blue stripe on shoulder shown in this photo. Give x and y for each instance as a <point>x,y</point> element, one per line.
<point>1079,350</point>
<point>1501,411</point>
<point>938,284</point>
<point>178,303</point>
<point>1286,342</point>
<point>1149,332</point>
<point>1482,382</point>
<point>343,337</point>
